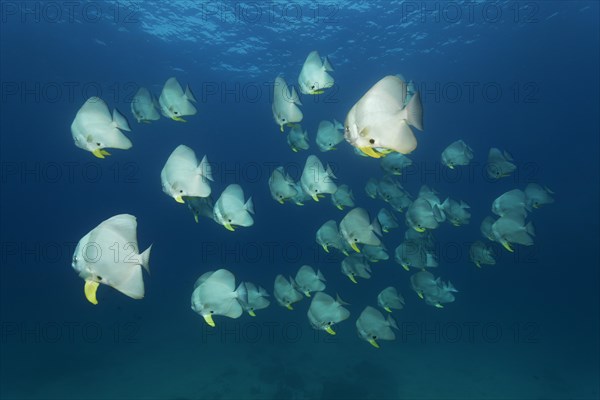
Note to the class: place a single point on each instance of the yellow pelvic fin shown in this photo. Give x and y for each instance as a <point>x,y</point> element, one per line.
<point>90,291</point>
<point>420,294</point>
<point>179,199</point>
<point>281,128</point>
<point>145,121</point>
<point>329,330</point>
<point>229,227</point>
<point>280,201</point>
<point>315,197</point>
<point>507,247</point>
<point>325,248</point>
<point>252,313</point>
<point>209,320</point>
<point>196,218</point>
<point>98,153</point>
<point>370,152</point>
<point>354,247</point>
<point>318,92</point>
<point>374,343</point>
<point>289,307</point>
<point>387,309</point>
<point>294,150</point>
<point>178,119</point>
<point>352,278</point>
<point>104,152</point>
<point>478,264</point>
<point>420,230</point>
<point>438,305</point>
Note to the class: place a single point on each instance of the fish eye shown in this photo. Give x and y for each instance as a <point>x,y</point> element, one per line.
<point>180,191</point>
<point>175,112</point>
<point>356,239</point>
<point>372,141</point>
<point>316,190</point>
<point>212,312</point>
<point>312,87</point>
<point>98,144</point>
<point>229,220</point>
<point>282,119</point>
<point>374,337</point>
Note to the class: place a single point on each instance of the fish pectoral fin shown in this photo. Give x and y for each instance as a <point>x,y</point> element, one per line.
<point>90,289</point>
<point>252,313</point>
<point>229,227</point>
<point>354,247</point>
<point>329,330</point>
<point>374,343</point>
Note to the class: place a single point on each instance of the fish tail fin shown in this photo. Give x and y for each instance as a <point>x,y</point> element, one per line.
<point>249,206</point>
<point>320,276</point>
<point>241,293</point>
<point>530,229</point>
<point>376,227</point>
<point>392,322</point>
<point>145,259</point>
<point>295,98</point>
<point>339,300</point>
<point>414,111</point>
<point>189,95</point>
<point>120,121</point>
<point>205,169</point>
<point>337,124</point>
<point>330,172</point>
<point>263,292</point>
<point>327,65</point>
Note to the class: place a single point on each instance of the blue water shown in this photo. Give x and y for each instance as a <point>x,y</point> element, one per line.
<point>526,327</point>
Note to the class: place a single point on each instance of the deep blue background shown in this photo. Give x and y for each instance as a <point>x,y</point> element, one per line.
<point>551,130</point>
